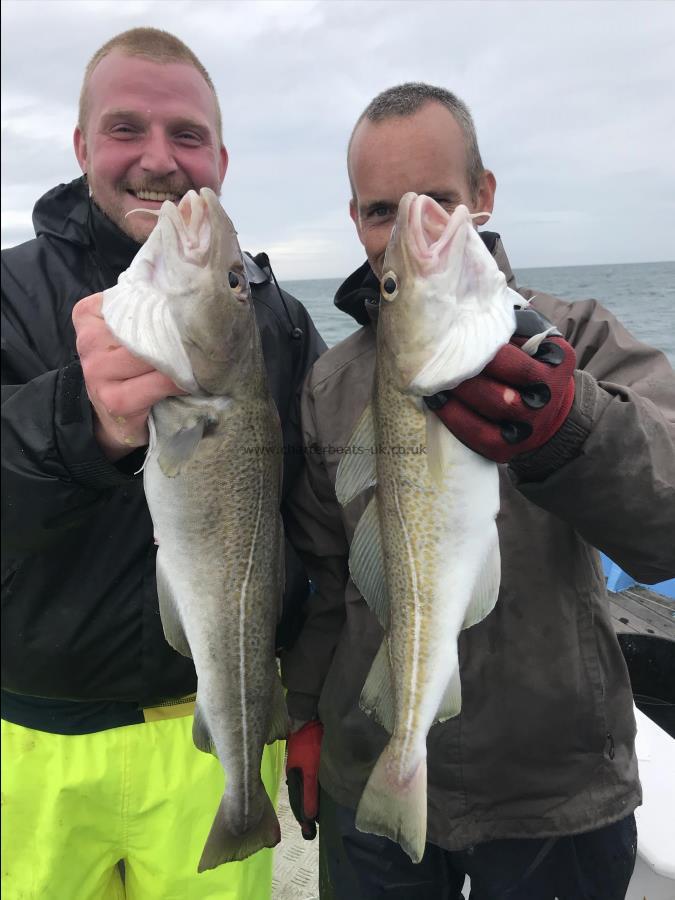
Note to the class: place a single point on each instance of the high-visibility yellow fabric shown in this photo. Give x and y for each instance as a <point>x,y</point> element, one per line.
<point>73,805</point>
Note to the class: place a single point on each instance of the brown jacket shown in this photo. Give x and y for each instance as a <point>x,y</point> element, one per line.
<point>544,743</point>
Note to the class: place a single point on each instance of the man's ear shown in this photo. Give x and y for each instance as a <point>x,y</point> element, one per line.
<point>222,163</point>
<point>354,214</point>
<point>80,146</point>
<point>485,197</point>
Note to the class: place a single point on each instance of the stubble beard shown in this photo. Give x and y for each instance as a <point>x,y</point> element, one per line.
<point>139,225</point>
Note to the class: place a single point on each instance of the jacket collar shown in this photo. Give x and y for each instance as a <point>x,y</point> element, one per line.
<point>359,294</point>
<point>109,242</point>
<point>68,213</point>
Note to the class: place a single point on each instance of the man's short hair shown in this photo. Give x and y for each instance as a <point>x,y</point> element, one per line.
<point>155,45</point>
<point>406,99</point>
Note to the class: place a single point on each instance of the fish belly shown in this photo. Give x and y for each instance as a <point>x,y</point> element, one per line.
<point>439,543</point>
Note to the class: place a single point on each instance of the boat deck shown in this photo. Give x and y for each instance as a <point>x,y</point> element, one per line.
<point>638,610</point>
<point>296,861</point>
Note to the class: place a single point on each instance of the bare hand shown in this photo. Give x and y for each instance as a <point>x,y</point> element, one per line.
<point>122,388</point>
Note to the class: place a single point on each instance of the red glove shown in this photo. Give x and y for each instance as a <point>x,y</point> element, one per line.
<point>302,776</point>
<point>518,402</point>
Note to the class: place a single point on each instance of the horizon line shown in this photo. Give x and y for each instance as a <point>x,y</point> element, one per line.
<point>648,262</point>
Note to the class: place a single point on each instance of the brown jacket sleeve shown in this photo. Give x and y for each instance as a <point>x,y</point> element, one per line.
<point>610,471</point>
<point>314,526</point>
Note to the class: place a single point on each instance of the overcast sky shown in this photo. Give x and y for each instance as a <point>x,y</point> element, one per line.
<point>573,104</point>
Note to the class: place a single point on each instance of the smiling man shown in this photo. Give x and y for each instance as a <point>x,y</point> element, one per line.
<point>141,139</point>
<point>531,788</point>
<point>98,760</point>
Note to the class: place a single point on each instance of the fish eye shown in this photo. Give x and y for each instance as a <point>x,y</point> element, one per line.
<point>234,280</point>
<point>389,286</point>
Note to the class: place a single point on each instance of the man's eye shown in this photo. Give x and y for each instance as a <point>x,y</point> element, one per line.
<point>123,131</point>
<point>188,137</point>
<point>448,205</point>
<point>381,212</point>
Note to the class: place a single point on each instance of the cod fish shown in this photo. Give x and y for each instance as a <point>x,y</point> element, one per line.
<point>425,553</point>
<point>184,305</point>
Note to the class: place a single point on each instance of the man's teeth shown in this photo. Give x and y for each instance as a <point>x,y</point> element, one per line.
<point>155,195</point>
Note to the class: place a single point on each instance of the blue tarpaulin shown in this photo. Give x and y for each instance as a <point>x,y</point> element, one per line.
<point>618,580</point>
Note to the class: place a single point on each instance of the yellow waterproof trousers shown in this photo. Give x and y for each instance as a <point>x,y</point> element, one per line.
<point>74,805</point>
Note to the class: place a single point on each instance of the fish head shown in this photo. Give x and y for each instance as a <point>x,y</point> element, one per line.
<point>193,261</point>
<point>445,307</point>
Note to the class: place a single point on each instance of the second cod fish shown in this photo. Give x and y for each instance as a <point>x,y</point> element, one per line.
<point>184,306</point>
<point>425,554</point>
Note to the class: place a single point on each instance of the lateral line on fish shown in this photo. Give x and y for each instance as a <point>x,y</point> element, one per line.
<point>242,651</point>
<point>416,634</point>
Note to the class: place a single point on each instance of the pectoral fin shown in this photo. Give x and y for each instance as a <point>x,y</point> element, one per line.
<point>179,447</point>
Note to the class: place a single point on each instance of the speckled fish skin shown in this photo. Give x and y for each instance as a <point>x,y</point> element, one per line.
<point>212,480</point>
<point>435,502</point>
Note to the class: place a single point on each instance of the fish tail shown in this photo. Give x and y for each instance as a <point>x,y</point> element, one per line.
<point>396,808</point>
<point>224,844</point>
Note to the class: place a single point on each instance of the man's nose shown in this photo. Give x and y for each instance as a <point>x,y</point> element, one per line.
<point>158,156</point>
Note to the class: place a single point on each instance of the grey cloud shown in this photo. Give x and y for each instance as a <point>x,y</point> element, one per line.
<point>571,102</point>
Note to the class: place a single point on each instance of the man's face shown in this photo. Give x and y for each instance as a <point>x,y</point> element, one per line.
<point>150,135</point>
<point>423,153</point>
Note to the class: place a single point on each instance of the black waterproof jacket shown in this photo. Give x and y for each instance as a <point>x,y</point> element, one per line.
<point>80,617</point>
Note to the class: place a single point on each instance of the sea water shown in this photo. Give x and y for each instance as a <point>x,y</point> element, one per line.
<point>640,295</point>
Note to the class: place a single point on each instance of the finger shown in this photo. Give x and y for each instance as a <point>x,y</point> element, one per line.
<point>136,396</point>
<point>492,399</point>
<point>295,790</point>
<point>114,363</point>
<point>310,795</point>
<point>513,366</point>
<point>92,334</point>
<point>474,431</point>
<point>88,306</point>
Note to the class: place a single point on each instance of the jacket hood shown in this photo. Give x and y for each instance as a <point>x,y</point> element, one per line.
<point>67,213</point>
<point>359,295</point>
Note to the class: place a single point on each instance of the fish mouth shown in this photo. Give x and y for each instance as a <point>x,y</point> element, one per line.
<point>432,230</point>
<point>187,227</point>
<point>191,222</point>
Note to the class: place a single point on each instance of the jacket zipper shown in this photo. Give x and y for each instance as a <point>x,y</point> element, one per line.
<point>178,702</point>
